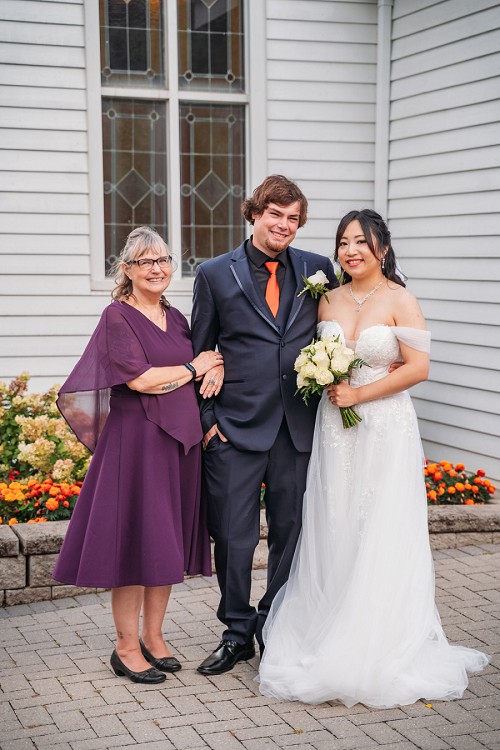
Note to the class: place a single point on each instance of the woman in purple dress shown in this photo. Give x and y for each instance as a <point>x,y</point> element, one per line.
<point>138,525</point>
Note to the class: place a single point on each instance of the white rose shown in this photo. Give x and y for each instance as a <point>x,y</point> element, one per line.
<point>341,359</point>
<point>309,370</point>
<point>324,376</point>
<point>300,361</point>
<point>318,278</point>
<point>301,380</point>
<point>321,358</point>
<point>331,344</point>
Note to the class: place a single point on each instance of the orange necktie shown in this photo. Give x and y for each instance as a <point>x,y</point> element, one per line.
<point>272,288</point>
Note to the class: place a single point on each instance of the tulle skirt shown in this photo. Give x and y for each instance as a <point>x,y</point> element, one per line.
<point>357,621</point>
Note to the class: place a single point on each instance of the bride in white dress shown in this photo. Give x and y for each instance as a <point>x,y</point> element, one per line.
<point>357,621</point>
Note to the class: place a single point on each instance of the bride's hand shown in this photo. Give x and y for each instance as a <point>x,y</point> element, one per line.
<point>342,395</point>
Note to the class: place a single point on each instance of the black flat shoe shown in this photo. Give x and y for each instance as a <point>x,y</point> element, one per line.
<point>148,677</point>
<point>225,656</point>
<point>165,663</point>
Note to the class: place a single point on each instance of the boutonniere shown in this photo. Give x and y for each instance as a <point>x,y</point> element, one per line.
<point>316,285</point>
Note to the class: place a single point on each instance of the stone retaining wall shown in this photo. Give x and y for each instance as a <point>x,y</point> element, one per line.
<point>28,552</point>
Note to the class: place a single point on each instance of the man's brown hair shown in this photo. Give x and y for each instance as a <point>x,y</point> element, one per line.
<point>275,189</point>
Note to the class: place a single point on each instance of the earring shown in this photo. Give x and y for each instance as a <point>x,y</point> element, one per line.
<point>383,263</point>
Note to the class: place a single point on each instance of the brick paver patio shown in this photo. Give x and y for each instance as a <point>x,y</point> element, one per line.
<point>57,690</point>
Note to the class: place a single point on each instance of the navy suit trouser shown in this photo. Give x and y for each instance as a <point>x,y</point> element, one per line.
<point>233,480</point>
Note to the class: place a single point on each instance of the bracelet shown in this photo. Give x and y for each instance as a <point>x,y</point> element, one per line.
<point>191,369</point>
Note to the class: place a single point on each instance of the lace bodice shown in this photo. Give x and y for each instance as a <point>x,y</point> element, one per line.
<point>378,346</point>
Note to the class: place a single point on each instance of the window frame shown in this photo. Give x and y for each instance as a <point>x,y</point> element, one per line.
<point>254,99</point>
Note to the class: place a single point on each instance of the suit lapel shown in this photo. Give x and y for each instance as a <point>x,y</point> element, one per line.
<point>299,266</point>
<point>240,269</point>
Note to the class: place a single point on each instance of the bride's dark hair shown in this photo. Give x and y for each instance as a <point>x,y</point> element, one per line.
<point>374,228</point>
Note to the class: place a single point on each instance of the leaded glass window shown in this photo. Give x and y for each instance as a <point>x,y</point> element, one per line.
<point>132,42</point>
<point>135,169</point>
<point>212,180</point>
<point>210,36</point>
<point>140,98</point>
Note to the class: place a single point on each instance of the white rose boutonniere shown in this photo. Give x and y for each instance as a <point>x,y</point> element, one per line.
<point>316,285</point>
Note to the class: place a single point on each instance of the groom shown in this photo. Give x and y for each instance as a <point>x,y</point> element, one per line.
<point>256,430</point>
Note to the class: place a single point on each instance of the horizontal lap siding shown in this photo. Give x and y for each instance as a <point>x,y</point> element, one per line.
<point>47,308</point>
<point>444,194</point>
<point>321,73</point>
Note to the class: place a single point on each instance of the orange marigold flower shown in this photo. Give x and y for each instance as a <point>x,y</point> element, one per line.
<point>1,520</point>
<point>451,490</point>
<point>51,504</point>
<point>432,495</point>
<point>460,487</point>
<point>478,480</point>
<point>470,501</point>
<point>468,486</point>
<point>459,467</point>
<point>66,503</point>
<point>438,476</point>
<point>491,489</point>
<point>13,521</point>
<point>53,491</point>
<point>453,473</point>
<point>474,489</point>
<point>41,520</point>
<point>441,491</point>
<point>480,473</point>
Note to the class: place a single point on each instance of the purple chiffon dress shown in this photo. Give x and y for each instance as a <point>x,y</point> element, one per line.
<point>139,519</point>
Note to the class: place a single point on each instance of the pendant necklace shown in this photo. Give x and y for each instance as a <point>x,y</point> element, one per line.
<point>159,320</point>
<point>362,301</point>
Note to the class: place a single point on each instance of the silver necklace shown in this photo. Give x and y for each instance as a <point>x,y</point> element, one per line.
<point>159,320</point>
<point>361,302</point>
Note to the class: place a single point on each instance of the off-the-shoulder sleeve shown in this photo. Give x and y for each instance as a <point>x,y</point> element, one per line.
<point>415,338</point>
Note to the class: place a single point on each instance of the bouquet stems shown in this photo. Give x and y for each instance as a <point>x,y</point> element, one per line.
<point>350,418</point>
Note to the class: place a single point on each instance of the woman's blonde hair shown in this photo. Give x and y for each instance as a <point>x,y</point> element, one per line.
<point>139,241</point>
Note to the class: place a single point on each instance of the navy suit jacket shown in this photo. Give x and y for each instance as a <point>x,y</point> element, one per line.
<point>259,381</point>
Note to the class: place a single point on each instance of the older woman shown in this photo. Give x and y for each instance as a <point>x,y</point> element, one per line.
<point>138,524</point>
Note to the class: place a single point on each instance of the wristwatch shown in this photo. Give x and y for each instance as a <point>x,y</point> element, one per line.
<point>191,369</point>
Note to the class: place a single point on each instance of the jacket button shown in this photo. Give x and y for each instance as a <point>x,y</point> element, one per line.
<point>282,344</point>
<point>283,377</point>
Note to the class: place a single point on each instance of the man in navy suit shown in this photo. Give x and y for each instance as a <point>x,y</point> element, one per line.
<point>256,429</point>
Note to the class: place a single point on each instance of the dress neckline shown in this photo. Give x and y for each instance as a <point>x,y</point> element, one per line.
<point>368,328</point>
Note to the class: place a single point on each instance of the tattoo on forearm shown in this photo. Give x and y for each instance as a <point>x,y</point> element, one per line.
<point>169,387</point>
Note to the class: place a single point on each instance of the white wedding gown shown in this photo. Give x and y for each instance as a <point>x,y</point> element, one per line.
<point>357,621</point>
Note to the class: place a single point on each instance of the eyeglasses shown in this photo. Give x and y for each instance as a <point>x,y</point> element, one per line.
<point>163,262</point>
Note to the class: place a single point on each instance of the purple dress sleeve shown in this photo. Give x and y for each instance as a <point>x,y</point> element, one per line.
<point>113,356</point>
<point>123,346</point>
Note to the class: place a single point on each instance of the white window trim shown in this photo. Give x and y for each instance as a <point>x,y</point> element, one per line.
<point>256,127</point>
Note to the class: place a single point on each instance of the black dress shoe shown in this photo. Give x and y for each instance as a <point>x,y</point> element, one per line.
<point>225,656</point>
<point>165,663</point>
<point>148,677</point>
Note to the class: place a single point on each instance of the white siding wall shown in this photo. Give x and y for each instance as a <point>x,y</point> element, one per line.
<point>444,213</point>
<point>321,73</point>
<point>46,309</point>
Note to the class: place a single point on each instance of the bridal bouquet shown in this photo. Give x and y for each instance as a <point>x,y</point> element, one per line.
<point>326,362</point>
